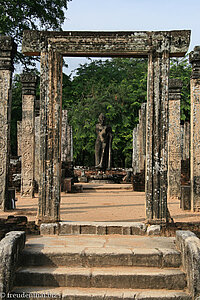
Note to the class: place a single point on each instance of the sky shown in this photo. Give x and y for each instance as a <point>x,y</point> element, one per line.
<point>131,15</point>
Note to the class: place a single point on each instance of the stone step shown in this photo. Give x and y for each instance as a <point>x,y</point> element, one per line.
<point>97,257</point>
<point>111,277</point>
<point>91,293</point>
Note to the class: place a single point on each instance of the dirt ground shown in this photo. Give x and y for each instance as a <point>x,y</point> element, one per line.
<point>105,203</point>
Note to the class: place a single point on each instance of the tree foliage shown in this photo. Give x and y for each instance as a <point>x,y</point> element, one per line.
<point>115,87</point>
<point>19,15</point>
<point>181,69</point>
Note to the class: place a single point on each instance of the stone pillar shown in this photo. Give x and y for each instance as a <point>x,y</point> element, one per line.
<point>7,51</point>
<point>157,134</point>
<point>174,139</point>
<point>50,136</point>
<point>19,137</point>
<point>37,149</point>
<point>142,137</point>
<point>186,141</point>
<point>195,130</point>
<point>135,159</point>
<point>66,141</point>
<point>28,81</point>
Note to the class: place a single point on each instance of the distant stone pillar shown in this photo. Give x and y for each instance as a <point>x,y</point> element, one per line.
<point>174,139</point>
<point>50,136</point>
<point>142,137</point>
<point>157,134</point>
<point>19,137</point>
<point>7,51</point>
<point>135,158</point>
<point>28,81</point>
<point>37,149</point>
<point>186,140</point>
<point>66,141</point>
<point>195,130</point>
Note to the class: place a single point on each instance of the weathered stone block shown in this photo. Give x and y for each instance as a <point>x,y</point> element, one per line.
<point>170,258</point>
<point>189,245</point>
<point>69,228</point>
<point>10,251</point>
<point>114,229</point>
<point>146,257</point>
<point>88,229</point>
<point>49,229</point>
<point>154,230</point>
<point>138,229</point>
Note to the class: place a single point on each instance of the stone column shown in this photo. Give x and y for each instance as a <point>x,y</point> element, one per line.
<point>174,139</point>
<point>67,140</point>
<point>28,81</point>
<point>7,52</point>
<point>142,137</point>
<point>195,130</point>
<point>135,159</point>
<point>37,149</point>
<point>186,141</point>
<point>19,137</point>
<point>157,134</point>
<point>50,136</point>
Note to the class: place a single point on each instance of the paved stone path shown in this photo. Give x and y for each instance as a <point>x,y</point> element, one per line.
<point>122,205</point>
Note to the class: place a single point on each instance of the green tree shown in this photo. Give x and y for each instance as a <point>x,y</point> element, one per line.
<point>19,15</point>
<point>116,87</point>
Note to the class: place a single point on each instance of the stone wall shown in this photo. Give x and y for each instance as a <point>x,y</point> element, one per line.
<point>10,249</point>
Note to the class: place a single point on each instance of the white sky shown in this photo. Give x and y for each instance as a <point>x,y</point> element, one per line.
<point>131,15</point>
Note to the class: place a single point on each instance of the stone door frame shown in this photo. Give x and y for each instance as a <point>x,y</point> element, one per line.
<point>158,46</point>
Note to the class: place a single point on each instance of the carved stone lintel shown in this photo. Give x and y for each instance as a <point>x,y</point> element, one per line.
<point>7,51</point>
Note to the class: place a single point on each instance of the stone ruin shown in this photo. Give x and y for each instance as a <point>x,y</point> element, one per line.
<point>158,150</point>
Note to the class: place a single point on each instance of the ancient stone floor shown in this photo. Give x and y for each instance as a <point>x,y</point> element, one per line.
<point>105,203</point>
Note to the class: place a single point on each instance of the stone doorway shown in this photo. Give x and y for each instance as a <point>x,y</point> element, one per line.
<point>158,47</point>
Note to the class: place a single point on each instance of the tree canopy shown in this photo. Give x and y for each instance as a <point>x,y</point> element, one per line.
<point>117,88</point>
<point>19,15</point>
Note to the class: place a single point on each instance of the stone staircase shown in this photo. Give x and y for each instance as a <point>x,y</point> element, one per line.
<point>101,267</point>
